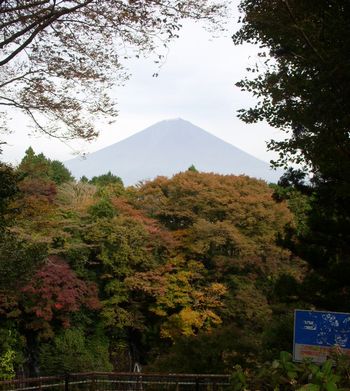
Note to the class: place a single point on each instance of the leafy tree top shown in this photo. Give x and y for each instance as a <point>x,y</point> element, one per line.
<point>38,166</point>
<point>8,190</point>
<point>303,83</point>
<point>106,179</point>
<point>180,201</point>
<point>192,168</point>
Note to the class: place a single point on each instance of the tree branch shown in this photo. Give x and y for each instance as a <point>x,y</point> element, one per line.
<point>306,38</point>
<point>21,18</point>
<point>17,78</point>
<point>39,29</point>
<point>23,7</point>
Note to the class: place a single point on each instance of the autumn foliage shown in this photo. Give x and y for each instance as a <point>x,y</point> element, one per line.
<point>145,272</point>
<point>54,292</point>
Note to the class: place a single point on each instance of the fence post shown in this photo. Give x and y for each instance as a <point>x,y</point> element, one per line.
<point>66,382</point>
<point>93,382</point>
<point>197,384</point>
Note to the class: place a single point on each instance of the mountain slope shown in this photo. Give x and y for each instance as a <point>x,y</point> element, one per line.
<point>166,148</point>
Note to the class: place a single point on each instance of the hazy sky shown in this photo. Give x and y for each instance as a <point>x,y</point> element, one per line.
<point>196,82</point>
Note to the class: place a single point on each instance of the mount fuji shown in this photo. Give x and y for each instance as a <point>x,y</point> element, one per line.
<point>167,148</point>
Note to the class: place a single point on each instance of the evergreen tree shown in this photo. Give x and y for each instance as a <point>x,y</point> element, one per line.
<point>305,91</point>
<point>106,179</point>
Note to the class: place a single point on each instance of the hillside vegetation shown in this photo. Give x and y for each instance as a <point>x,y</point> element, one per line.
<point>185,274</point>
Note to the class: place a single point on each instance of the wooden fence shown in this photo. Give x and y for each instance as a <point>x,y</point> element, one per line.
<point>106,381</point>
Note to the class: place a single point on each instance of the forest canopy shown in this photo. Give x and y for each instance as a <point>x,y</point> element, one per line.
<point>138,274</point>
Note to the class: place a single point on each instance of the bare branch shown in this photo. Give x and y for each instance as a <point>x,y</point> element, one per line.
<point>21,77</point>
<point>40,28</point>
<point>22,7</point>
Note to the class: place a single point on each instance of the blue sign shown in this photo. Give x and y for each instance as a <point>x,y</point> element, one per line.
<point>316,333</point>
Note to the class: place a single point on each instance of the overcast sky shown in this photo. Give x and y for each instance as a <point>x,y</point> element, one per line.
<point>196,82</point>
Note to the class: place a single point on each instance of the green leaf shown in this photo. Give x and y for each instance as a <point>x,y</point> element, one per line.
<point>309,387</point>
<point>285,357</point>
<point>330,386</point>
<point>327,367</point>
